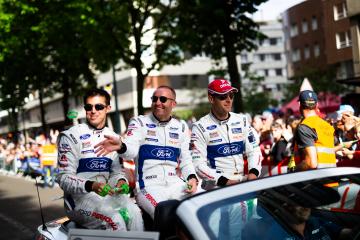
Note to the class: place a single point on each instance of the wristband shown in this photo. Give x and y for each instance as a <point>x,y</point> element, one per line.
<point>105,190</point>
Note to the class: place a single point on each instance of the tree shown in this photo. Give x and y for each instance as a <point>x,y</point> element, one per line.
<point>139,33</point>
<point>255,101</point>
<point>217,29</point>
<point>44,40</point>
<point>323,80</point>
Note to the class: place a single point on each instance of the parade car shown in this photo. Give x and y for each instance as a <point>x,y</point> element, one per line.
<point>315,204</point>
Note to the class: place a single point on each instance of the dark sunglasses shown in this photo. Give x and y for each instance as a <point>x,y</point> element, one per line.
<point>162,99</point>
<point>98,107</point>
<point>223,97</point>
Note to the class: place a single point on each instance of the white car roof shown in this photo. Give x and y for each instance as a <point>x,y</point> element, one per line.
<point>188,208</point>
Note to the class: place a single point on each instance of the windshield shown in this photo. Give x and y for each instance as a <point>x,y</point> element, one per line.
<point>326,208</point>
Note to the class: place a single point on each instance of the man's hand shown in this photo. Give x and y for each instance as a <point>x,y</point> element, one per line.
<point>192,185</point>
<point>251,176</point>
<point>97,187</point>
<point>118,186</point>
<point>109,144</point>
<point>348,153</point>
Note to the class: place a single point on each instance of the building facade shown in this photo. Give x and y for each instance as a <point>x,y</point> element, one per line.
<point>268,60</point>
<point>317,36</point>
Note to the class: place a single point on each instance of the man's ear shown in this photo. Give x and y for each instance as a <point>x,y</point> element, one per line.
<point>210,98</point>
<point>108,108</point>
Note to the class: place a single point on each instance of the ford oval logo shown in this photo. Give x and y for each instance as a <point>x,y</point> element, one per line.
<point>85,136</point>
<point>229,149</point>
<point>212,127</point>
<point>96,164</point>
<point>162,153</point>
<point>150,125</point>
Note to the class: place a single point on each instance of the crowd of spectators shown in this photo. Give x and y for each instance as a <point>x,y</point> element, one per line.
<point>276,133</point>
<point>13,154</point>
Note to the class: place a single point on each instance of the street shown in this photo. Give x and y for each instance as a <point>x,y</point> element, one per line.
<point>19,206</point>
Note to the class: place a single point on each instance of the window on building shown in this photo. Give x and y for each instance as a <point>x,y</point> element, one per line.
<point>272,73</point>
<point>262,57</point>
<point>304,26</point>
<point>276,56</point>
<point>314,23</point>
<point>307,52</point>
<point>340,11</point>
<point>278,72</point>
<point>316,50</point>
<point>294,30</point>
<point>266,72</point>
<point>273,41</point>
<point>295,55</point>
<point>343,40</point>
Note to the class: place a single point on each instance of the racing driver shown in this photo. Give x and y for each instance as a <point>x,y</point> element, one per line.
<point>159,143</point>
<point>82,175</point>
<point>221,140</point>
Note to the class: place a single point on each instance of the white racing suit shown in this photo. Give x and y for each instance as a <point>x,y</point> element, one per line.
<point>219,148</point>
<point>78,165</point>
<point>158,149</point>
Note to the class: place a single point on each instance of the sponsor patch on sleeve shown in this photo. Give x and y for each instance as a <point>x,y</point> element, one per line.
<point>236,130</point>
<point>73,138</point>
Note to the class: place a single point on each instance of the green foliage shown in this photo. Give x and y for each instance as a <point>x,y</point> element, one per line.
<point>255,101</point>
<point>219,29</point>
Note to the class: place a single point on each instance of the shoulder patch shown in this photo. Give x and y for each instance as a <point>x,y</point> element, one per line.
<point>201,127</point>
<point>141,123</point>
<point>73,138</point>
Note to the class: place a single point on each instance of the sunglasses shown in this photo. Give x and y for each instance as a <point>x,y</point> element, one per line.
<point>98,107</point>
<point>223,97</point>
<point>162,99</point>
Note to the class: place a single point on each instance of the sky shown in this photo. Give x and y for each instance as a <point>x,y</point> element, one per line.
<point>271,9</point>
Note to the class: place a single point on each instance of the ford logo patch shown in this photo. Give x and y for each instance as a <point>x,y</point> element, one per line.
<point>162,153</point>
<point>85,136</point>
<point>96,164</point>
<point>212,127</point>
<point>229,149</point>
<point>150,125</point>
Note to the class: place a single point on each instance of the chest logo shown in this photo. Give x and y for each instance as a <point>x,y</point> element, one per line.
<point>85,136</point>
<point>212,127</point>
<point>229,149</point>
<point>97,164</point>
<point>162,153</point>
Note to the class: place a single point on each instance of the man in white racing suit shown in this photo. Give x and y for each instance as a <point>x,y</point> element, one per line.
<point>83,175</point>
<point>221,140</point>
<point>160,144</point>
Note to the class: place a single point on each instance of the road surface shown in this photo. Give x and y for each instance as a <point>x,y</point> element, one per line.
<point>19,206</point>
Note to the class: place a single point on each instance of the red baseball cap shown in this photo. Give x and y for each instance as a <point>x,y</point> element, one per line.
<point>220,86</point>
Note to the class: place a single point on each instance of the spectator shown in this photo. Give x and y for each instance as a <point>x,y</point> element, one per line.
<point>314,137</point>
<point>279,150</point>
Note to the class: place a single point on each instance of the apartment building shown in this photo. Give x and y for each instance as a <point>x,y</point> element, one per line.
<point>353,13</point>
<point>269,60</point>
<point>318,36</point>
